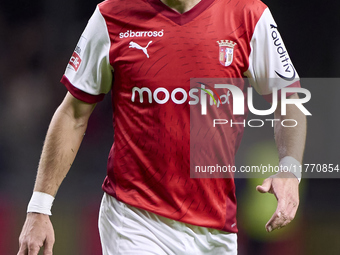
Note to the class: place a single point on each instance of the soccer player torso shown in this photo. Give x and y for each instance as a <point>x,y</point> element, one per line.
<point>153,53</point>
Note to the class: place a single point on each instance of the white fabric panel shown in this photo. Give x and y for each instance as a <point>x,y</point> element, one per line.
<point>269,63</point>
<point>127,230</point>
<point>93,74</point>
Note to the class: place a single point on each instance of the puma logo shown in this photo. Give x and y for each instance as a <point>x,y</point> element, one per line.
<point>138,47</point>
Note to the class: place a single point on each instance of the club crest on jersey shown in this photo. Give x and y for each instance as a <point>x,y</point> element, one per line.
<point>226,52</point>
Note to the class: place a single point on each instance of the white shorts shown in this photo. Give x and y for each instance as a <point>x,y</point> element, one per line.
<point>126,230</point>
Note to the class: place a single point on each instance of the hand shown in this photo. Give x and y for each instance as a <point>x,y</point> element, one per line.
<point>285,187</point>
<point>36,232</point>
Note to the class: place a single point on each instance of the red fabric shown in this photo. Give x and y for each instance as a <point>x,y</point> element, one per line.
<point>178,18</point>
<point>81,95</point>
<point>149,164</point>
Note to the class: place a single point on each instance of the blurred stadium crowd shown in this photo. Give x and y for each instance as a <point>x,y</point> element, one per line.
<point>36,40</point>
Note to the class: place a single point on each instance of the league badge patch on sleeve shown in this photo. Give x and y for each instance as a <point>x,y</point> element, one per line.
<point>226,52</point>
<point>75,60</point>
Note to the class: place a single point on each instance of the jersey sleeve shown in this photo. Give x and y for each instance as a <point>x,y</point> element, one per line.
<point>88,75</point>
<point>269,63</point>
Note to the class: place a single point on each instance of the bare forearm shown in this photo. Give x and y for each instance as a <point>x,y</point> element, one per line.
<point>62,142</point>
<point>290,141</point>
<point>61,145</point>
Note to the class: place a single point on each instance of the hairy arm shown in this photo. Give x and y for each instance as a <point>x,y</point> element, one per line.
<point>62,142</point>
<point>290,141</point>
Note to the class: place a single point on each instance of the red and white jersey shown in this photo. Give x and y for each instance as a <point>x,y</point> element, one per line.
<point>146,54</point>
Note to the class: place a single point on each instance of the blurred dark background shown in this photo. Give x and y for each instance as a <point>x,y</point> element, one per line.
<point>37,39</point>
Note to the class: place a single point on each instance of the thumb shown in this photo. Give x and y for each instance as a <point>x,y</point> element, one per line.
<point>265,187</point>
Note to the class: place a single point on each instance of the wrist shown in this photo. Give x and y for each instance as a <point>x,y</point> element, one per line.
<point>290,164</point>
<point>40,203</point>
